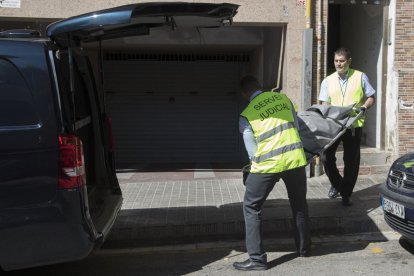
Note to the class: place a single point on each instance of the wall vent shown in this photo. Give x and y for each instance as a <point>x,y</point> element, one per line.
<point>177,57</point>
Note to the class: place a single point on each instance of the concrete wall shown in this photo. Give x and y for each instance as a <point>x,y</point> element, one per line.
<point>391,97</point>
<point>273,56</point>
<point>292,71</point>
<point>251,13</point>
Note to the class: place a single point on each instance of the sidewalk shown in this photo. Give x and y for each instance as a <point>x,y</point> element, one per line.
<point>190,206</point>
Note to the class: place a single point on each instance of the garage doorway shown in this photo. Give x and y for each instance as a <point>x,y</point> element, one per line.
<point>174,95</point>
<point>175,107</point>
<point>359,26</point>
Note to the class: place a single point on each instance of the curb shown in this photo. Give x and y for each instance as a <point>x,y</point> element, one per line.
<point>270,243</point>
<point>327,217</point>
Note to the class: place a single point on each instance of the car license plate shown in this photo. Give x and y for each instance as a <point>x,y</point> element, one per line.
<point>392,207</point>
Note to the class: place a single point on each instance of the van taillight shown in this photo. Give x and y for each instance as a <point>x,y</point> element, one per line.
<point>71,162</point>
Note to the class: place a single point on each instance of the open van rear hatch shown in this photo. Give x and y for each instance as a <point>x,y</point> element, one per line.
<point>138,19</point>
<point>84,113</point>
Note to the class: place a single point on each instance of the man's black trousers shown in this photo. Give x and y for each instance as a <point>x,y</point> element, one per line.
<point>258,187</point>
<point>351,141</point>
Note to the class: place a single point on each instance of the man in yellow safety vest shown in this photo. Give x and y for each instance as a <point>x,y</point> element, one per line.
<point>270,131</point>
<point>343,88</point>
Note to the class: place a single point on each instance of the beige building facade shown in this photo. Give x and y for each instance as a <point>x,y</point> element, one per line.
<point>270,39</point>
<point>267,13</point>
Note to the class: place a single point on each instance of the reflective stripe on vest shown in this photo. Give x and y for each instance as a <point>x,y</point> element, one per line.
<point>354,94</point>
<point>279,147</point>
<point>277,151</point>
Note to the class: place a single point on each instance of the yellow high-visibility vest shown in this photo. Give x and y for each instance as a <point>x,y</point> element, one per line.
<point>279,147</point>
<point>353,94</point>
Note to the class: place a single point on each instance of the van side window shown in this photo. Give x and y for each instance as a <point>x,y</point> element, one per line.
<point>78,104</point>
<point>16,101</point>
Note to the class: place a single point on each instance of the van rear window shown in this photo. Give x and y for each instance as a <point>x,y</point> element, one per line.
<point>16,100</point>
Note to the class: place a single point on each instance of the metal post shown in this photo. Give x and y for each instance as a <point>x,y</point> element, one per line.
<point>307,49</point>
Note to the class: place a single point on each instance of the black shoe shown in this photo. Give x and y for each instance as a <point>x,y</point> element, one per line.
<point>305,253</point>
<point>346,201</point>
<point>250,265</point>
<point>333,192</point>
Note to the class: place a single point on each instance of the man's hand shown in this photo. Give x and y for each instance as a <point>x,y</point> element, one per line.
<point>246,168</point>
<point>362,109</point>
<point>246,172</point>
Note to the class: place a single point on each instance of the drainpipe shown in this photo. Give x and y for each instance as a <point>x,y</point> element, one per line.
<point>307,50</point>
<point>319,45</point>
<point>319,33</point>
<point>308,13</point>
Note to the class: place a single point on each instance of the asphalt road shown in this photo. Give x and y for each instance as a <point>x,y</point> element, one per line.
<point>351,256</point>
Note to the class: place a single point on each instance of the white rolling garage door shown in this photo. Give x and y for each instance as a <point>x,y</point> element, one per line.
<point>174,111</point>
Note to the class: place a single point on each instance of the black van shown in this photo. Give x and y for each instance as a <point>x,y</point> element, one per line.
<point>59,195</point>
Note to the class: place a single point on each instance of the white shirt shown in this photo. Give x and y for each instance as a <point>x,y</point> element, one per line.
<point>366,87</point>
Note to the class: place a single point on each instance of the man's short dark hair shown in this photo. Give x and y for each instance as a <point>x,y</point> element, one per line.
<point>343,52</point>
<point>249,84</point>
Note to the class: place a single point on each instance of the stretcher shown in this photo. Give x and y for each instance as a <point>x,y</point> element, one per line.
<point>319,127</point>
<point>322,125</point>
